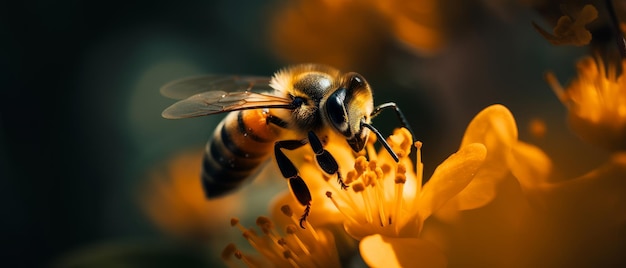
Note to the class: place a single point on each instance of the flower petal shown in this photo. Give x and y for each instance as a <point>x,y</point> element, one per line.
<point>383,251</point>
<point>529,165</point>
<point>494,127</point>
<point>451,177</point>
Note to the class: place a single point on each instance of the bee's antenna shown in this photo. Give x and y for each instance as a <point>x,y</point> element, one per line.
<point>382,140</point>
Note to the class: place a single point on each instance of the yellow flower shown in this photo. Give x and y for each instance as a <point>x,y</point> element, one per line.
<point>596,101</point>
<point>386,205</point>
<point>570,30</point>
<point>387,198</point>
<point>296,247</point>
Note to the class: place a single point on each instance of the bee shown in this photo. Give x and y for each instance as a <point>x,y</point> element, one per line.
<point>306,101</point>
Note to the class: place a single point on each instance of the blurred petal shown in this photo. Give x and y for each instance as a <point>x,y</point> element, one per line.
<point>529,164</point>
<point>580,222</point>
<point>419,24</point>
<point>382,251</point>
<point>452,176</point>
<point>336,33</point>
<point>495,128</point>
<point>174,200</point>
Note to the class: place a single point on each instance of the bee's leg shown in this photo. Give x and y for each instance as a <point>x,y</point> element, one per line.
<point>326,161</point>
<point>290,172</point>
<point>403,122</point>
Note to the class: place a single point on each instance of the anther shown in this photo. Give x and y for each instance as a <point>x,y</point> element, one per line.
<point>228,251</point>
<point>358,187</point>
<point>360,164</point>
<point>400,178</point>
<point>286,209</point>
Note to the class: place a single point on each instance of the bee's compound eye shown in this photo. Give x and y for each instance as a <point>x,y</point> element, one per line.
<point>337,111</point>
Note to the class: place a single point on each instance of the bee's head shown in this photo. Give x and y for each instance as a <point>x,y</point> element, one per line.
<point>348,106</point>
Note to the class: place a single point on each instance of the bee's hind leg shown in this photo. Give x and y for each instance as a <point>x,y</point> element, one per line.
<point>325,160</point>
<point>290,172</point>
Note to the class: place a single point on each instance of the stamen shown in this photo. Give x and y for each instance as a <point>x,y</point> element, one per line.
<point>340,208</point>
<point>376,175</point>
<point>611,73</point>
<point>556,87</point>
<point>265,224</point>
<point>246,260</point>
<point>252,238</point>
<point>267,227</point>
<point>235,222</point>
<point>399,198</point>
<point>419,167</point>
<point>401,153</point>
<point>291,232</point>
<point>369,179</point>
<point>286,209</point>
<point>291,258</point>
<point>228,251</point>
<point>350,176</point>
<point>360,165</point>
<point>359,188</point>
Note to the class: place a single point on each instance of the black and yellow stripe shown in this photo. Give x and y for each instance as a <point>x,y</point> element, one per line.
<point>240,144</point>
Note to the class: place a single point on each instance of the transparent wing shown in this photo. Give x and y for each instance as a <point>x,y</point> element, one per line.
<point>213,102</point>
<point>187,87</point>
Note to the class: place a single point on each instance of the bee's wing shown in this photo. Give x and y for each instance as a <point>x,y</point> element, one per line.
<point>187,87</point>
<point>213,102</point>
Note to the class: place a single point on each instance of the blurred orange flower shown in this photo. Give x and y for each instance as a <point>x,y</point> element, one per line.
<point>596,101</point>
<point>173,198</point>
<point>352,34</point>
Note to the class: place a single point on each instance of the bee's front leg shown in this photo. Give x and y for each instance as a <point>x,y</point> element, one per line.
<point>290,172</point>
<point>325,160</point>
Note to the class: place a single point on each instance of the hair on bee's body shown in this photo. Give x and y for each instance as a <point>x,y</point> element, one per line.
<point>244,139</point>
<point>297,106</point>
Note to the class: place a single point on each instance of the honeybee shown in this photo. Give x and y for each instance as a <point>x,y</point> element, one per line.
<point>307,101</point>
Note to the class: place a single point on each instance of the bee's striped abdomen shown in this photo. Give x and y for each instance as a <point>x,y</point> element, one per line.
<point>240,143</point>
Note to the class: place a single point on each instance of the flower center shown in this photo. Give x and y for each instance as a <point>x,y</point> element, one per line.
<point>381,193</point>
